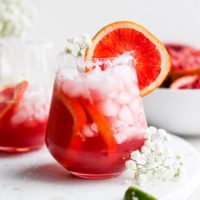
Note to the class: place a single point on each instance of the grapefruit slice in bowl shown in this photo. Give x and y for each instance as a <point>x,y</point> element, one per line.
<point>185,59</point>
<point>150,58</point>
<point>186,82</point>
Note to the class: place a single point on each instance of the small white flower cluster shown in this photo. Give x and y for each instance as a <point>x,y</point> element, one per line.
<point>77,46</point>
<point>155,161</point>
<point>16,17</point>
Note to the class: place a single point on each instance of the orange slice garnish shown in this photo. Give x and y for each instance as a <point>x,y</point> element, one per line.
<point>102,124</point>
<point>11,96</point>
<point>80,109</point>
<point>150,58</point>
<point>75,108</point>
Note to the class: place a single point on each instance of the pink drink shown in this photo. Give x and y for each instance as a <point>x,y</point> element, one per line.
<point>23,124</point>
<point>96,118</point>
<point>26,72</point>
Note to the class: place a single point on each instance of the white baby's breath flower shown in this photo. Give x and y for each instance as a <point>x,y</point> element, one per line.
<point>16,17</point>
<point>145,150</point>
<point>163,134</point>
<point>149,132</point>
<point>131,165</point>
<point>72,40</point>
<point>77,46</point>
<point>155,160</point>
<point>142,178</point>
<point>135,155</point>
<point>86,38</point>
<point>149,144</point>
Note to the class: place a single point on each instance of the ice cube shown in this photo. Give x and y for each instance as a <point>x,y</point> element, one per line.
<point>109,84</point>
<point>87,131</point>
<point>112,120</point>
<point>120,138</point>
<point>94,78</point>
<point>37,105</point>
<point>125,133</point>
<point>124,98</point>
<point>94,83</point>
<point>134,105</point>
<point>97,96</point>
<point>112,95</point>
<point>85,93</point>
<point>69,73</point>
<point>131,86</point>
<point>119,123</point>
<point>93,127</point>
<point>108,108</point>
<point>40,100</point>
<point>46,108</point>
<point>19,117</point>
<point>40,115</point>
<point>28,107</point>
<point>73,88</point>
<point>122,72</point>
<point>126,115</point>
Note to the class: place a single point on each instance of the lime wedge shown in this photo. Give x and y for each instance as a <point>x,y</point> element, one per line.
<point>138,194</point>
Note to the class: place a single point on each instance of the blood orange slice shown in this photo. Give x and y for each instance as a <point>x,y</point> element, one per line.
<point>75,108</point>
<point>11,96</point>
<point>151,60</point>
<point>102,124</point>
<point>80,110</point>
<point>185,59</point>
<point>187,82</point>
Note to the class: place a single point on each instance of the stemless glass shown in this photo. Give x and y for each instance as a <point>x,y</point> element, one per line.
<point>26,73</point>
<point>96,116</point>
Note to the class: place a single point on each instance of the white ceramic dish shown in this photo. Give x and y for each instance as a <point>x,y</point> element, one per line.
<point>177,111</point>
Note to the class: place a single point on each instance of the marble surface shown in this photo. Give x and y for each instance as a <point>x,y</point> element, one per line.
<point>37,176</point>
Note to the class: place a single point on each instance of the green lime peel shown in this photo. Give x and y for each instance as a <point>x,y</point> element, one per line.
<point>134,193</point>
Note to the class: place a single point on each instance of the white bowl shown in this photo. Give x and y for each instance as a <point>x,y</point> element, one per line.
<point>177,111</point>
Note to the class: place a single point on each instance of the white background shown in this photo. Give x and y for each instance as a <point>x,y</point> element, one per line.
<point>169,20</point>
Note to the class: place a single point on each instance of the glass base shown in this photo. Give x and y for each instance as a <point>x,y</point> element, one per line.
<point>18,149</point>
<point>95,176</point>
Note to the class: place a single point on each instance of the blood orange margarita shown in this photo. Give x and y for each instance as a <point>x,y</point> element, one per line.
<point>23,117</point>
<point>96,118</point>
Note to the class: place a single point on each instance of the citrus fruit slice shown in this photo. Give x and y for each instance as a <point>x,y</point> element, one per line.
<point>186,82</point>
<point>185,59</point>
<point>11,96</point>
<point>102,124</point>
<point>138,194</point>
<point>75,108</point>
<point>150,58</point>
<point>80,111</point>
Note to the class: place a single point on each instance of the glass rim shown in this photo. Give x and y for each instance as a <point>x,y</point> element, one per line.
<point>85,64</point>
<point>63,56</point>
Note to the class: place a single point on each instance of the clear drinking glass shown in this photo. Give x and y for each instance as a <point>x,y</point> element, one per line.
<point>26,74</point>
<point>96,116</point>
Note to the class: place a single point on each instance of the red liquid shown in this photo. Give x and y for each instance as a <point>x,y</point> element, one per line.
<point>21,137</point>
<point>86,157</point>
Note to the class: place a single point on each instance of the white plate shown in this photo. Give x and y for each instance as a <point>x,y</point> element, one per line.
<point>37,176</point>
<point>177,111</point>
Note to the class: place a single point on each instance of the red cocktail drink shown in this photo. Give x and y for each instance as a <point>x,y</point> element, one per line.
<point>26,73</point>
<point>23,118</point>
<point>96,118</point>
